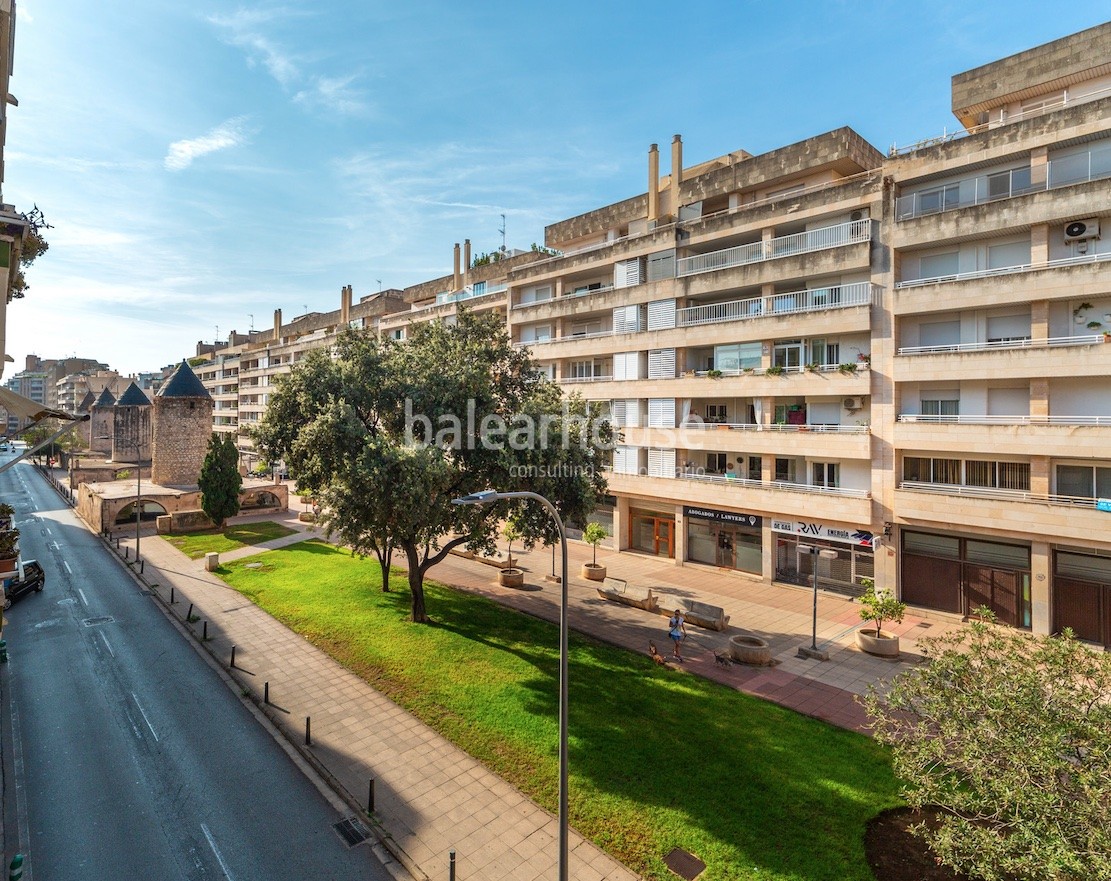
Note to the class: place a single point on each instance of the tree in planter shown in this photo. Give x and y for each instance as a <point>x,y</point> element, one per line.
<point>879,607</point>
<point>1008,735</point>
<point>595,534</point>
<point>220,481</point>
<point>511,532</point>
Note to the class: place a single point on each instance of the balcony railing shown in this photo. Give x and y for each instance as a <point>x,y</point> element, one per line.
<point>780,485</point>
<point>981,419</point>
<point>988,492</point>
<point>784,246</point>
<point>607,378</point>
<point>1005,270</point>
<point>749,426</point>
<point>1016,343</point>
<point>812,300</point>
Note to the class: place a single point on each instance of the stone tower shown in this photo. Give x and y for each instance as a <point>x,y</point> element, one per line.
<point>86,427</point>
<point>101,421</point>
<point>182,426</point>
<point>131,435</point>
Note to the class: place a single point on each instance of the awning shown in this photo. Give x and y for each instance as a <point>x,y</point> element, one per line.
<point>25,408</point>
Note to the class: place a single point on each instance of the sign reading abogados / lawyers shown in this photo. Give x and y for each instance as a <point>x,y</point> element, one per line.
<point>723,516</point>
<point>811,529</point>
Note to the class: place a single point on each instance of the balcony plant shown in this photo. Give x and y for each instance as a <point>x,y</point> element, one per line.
<point>9,549</point>
<point>847,367</point>
<point>714,373</point>
<point>775,370</point>
<point>813,367</point>
<point>1093,325</point>
<point>6,514</point>
<point>876,608</point>
<point>594,534</point>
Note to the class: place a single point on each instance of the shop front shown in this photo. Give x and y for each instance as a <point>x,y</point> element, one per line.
<point>724,538</point>
<point>794,559</point>
<point>652,531</point>
<point>1082,595</point>
<point>952,573</point>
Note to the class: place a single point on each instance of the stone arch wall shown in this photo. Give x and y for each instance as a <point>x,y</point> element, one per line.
<point>182,428</point>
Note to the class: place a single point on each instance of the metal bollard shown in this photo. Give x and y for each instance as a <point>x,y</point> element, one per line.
<point>232,664</point>
<point>308,730</point>
<point>127,553</point>
<point>172,600</point>
<point>189,614</point>
<point>370,798</point>
<point>451,864</point>
<point>204,631</point>
<point>15,869</point>
<point>142,566</point>
<point>266,692</point>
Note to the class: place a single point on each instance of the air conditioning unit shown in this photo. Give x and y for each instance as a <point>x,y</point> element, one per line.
<point>853,403</point>
<point>1079,230</point>
<point>858,215</point>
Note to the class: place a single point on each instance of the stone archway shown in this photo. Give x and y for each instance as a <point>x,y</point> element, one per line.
<point>150,510</point>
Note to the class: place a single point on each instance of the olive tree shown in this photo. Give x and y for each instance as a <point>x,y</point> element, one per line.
<point>1008,735</point>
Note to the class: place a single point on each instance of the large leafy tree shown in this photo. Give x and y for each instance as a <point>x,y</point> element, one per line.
<point>388,433</point>
<point>220,481</point>
<point>1009,735</point>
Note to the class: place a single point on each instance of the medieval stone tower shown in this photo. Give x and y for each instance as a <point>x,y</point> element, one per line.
<point>131,434</point>
<point>102,418</point>
<point>182,427</point>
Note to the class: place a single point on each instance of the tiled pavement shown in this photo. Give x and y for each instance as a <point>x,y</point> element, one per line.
<point>429,796</point>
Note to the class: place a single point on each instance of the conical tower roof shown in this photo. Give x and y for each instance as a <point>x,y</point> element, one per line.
<point>86,402</point>
<point>183,384</point>
<point>133,397</point>
<point>106,399</point>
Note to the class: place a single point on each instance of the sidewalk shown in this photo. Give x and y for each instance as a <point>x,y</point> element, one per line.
<point>429,796</point>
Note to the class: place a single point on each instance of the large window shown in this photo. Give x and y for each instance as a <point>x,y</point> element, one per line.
<point>737,356</point>
<point>1084,481</point>
<point>971,472</point>
<point>939,265</point>
<point>940,404</point>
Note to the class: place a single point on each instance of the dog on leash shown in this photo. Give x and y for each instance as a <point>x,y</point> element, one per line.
<point>722,659</point>
<point>655,655</point>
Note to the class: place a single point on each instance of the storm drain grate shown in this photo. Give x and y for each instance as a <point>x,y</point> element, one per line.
<point>103,619</point>
<point>351,831</point>
<point>684,864</point>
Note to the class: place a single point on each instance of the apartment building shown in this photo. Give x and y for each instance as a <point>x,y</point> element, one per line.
<point>889,366</point>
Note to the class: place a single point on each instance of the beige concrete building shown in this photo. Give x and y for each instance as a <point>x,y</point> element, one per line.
<point>897,359</point>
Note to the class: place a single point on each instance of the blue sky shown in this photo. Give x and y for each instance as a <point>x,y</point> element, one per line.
<point>205,162</point>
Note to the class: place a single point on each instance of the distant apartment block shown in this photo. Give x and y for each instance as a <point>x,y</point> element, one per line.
<point>902,358</point>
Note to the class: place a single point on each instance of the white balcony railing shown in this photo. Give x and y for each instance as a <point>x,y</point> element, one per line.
<point>586,379</point>
<point>779,485</point>
<point>841,234</point>
<point>982,419</point>
<point>989,492</point>
<point>748,426</point>
<point>993,345</point>
<point>1004,270</point>
<point>812,300</point>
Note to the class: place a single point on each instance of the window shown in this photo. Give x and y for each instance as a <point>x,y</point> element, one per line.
<point>738,356</point>
<point>586,369</point>
<point>1084,481</point>
<point>716,462</point>
<point>785,470</point>
<point>825,474</point>
<point>973,472</point>
<point>1010,254</point>
<point>942,407</point>
<point>824,353</point>
<point>717,413</point>
<point>584,328</point>
<point>755,468</point>
<point>788,354</point>
<point>939,265</point>
<point>938,199</point>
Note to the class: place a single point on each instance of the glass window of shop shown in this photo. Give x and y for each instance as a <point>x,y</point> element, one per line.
<point>841,575</point>
<point>729,545</point>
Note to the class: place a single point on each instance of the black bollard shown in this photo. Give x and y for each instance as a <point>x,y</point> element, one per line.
<point>232,664</point>
<point>451,864</point>
<point>127,553</point>
<point>204,633</point>
<point>172,600</point>
<point>142,566</point>
<point>370,798</point>
<point>266,692</point>
<point>308,730</point>
<point>189,614</point>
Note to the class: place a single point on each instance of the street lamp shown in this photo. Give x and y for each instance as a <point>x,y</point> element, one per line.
<point>486,497</point>
<point>816,553</point>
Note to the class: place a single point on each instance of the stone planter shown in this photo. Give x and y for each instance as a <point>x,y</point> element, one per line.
<point>511,577</point>
<point>882,645</point>
<point>750,650</point>
<point>594,572</point>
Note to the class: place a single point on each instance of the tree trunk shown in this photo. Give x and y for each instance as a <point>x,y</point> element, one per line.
<point>416,584</point>
<point>385,558</point>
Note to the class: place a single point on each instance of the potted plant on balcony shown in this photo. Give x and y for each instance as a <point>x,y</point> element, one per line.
<point>714,374</point>
<point>775,370</point>
<point>6,514</point>
<point>878,608</point>
<point>510,575</point>
<point>9,550</point>
<point>594,534</point>
<point>847,367</point>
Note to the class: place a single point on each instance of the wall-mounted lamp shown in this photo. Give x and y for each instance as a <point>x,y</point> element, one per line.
<point>887,530</point>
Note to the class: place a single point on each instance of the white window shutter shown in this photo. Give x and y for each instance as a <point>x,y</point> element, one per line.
<point>661,412</point>
<point>661,463</point>
<point>661,314</point>
<point>661,364</point>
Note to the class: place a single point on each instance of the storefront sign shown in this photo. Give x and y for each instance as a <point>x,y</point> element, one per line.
<point>723,516</point>
<point>810,529</point>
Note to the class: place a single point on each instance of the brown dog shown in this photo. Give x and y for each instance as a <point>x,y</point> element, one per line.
<point>722,659</point>
<point>655,655</point>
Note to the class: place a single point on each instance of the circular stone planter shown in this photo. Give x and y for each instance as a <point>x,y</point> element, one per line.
<point>882,646</point>
<point>511,577</point>
<point>750,650</point>
<point>593,572</point>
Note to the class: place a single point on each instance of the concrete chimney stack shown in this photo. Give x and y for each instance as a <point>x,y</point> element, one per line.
<point>676,167</point>
<point>456,281</point>
<point>277,325</point>
<point>653,183</point>
<point>466,261</point>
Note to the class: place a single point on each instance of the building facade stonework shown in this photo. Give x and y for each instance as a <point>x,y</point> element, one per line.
<point>182,426</point>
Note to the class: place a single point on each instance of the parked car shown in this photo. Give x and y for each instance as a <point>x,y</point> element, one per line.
<point>29,577</point>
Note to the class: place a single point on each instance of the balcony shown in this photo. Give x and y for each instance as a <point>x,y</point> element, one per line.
<point>1059,436</point>
<point>996,345</point>
<point>1005,270</point>
<point>794,302</point>
<point>1059,357</point>
<point>829,441</point>
<point>784,246</point>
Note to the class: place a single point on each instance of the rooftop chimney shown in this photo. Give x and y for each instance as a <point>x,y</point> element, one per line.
<point>676,167</point>
<point>456,283</point>
<point>277,325</point>
<point>653,183</point>
<point>466,260</point>
<point>345,304</point>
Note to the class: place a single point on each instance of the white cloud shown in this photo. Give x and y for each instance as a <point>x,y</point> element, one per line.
<point>333,93</point>
<point>241,29</point>
<point>224,136</point>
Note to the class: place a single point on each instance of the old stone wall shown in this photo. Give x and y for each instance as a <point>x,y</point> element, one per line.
<point>182,427</point>
<point>101,429</point>
<point>132,434</point>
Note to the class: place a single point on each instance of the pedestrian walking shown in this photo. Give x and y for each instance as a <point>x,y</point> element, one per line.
<point>677,630</point>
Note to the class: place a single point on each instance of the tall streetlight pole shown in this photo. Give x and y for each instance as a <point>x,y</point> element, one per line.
<point>486,497</point>
<point>816,553</point>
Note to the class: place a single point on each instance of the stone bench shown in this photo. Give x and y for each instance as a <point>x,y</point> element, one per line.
<point>618,590</point>
<point>697,613</point>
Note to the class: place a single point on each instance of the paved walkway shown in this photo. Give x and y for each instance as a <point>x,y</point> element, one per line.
<point>430,797</point>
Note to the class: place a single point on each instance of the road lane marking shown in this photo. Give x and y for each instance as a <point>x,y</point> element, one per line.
<point>20,781</point>
<point>107,645</point>
<point>68,570</point>
<point>80,591</point>
<point>219,859</point>
<point>145,719</point>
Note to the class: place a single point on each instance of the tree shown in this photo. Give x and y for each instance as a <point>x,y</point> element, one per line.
<point>399,429</point>
<point>220,480</point>
<point>1009,736</point>
<point>880,607</point>
<point>34,245</point>
<point>595,534</point>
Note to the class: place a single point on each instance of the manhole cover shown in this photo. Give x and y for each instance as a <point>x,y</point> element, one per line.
<point>684,864</point>
<point>102,619</point>
<point>351,831</point>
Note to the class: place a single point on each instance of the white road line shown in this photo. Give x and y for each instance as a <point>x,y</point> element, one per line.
<point>145,719</point>
<point>107,645</point>
<point>219,859</point>
<point>80,591</point>
<point>20,780</point>
<point>47,530</point>
<point>68,570</point>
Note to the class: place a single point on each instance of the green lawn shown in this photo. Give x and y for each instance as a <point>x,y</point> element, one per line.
<point>196,544</point>
<point>658,758</point>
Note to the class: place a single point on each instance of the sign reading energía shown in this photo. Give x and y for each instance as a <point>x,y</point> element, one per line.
<point>820,530</point>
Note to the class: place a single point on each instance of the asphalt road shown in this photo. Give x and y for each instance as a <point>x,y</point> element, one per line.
<point>131,758</point>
